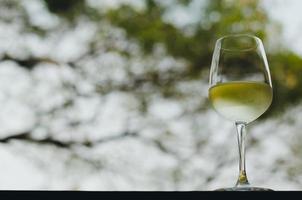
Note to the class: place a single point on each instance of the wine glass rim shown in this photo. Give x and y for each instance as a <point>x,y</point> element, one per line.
<point>257,40</point>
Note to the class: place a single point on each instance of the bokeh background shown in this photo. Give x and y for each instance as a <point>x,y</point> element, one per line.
<point>112,95</point>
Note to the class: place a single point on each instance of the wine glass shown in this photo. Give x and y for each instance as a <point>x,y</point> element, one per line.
<point>240,89</point>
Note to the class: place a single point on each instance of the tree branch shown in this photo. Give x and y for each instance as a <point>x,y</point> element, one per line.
<point>26,136</point>
<point>28,63</point>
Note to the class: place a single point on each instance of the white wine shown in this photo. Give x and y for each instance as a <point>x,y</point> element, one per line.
<point>241,101</point>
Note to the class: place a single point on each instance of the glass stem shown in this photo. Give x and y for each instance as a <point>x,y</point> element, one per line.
<point>241,132</point>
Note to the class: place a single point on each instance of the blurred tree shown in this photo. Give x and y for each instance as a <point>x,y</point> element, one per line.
<point>73,81</point>
<point>219,18</point>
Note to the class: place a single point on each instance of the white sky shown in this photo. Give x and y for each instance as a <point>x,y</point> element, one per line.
<point>288,12</point>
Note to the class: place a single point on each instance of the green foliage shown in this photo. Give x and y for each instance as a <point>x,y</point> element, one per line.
<point>218,18</point>
<point>148,27</point>
<point>286,69</point>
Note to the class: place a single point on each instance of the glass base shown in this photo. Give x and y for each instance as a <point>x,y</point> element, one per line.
<point>248,188</point>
